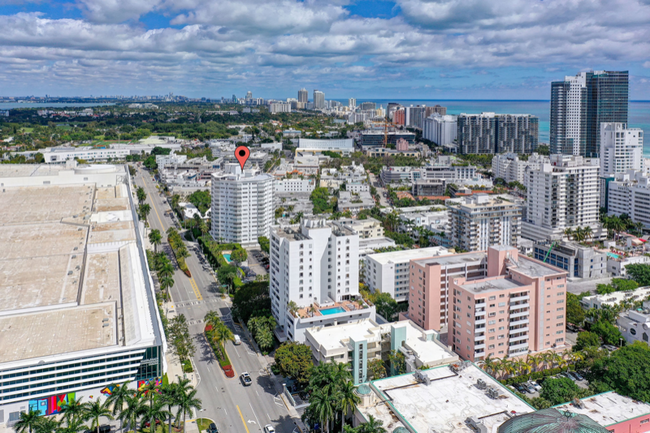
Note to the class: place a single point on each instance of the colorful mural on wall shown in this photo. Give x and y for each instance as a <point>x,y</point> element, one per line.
<point>50,405</point>
<point>143,383</point>
<point>109,389</point>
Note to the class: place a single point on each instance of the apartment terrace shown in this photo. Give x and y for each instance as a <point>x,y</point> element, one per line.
<point>316,310</point>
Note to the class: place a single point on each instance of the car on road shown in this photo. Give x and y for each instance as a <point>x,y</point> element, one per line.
<point>212,428</point>
<point>246,379</point>
<point>237,340</point>
<point>269,429</point>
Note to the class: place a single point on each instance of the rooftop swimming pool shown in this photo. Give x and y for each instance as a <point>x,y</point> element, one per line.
<point>614,256</point>
<point>335,310</point>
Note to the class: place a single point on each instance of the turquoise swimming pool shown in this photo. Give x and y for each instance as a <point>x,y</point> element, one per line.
<point>335,310</point>
<point>614,256</point>
<point>227,257</point>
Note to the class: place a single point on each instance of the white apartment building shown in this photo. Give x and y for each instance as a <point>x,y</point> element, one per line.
<point>630,193</point>
<point>443,168</point>
<point>621,148</point>
<point>280,107</point>
<point>294,185</point>
<point>510,168</point>
<point>389,272</point>
<point>242,205</point>
<point>441,130</point>
<point>568,112</point>
<point>563,193</point>
<point>316,266</point>
<point>480,221</point>
<point>319,100</point>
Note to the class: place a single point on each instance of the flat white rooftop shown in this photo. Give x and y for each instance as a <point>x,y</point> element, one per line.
<point>408,255</point>
<point>609,408</point>
<point>445,405</point>
<point>71,279</point>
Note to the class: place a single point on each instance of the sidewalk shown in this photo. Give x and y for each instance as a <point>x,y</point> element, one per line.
<point>174,366</point>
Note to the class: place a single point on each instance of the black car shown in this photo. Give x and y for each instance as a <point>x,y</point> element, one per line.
<point>212,428</point>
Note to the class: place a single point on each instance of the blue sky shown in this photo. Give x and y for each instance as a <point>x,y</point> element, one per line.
<point>403,49</point>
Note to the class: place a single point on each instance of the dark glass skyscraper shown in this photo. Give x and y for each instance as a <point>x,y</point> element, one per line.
<point>580,104</point>
<point>607,101</point>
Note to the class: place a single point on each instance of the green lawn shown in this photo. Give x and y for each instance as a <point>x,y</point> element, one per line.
<point>26,130</point>
<point>203,423</point>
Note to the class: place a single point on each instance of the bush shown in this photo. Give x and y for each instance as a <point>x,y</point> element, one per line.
<point>187,366</point>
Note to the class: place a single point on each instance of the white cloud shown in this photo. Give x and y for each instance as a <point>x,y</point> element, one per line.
<point>280,42</point>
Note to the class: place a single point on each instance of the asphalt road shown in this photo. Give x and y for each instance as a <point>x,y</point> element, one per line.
<point>233,407</point>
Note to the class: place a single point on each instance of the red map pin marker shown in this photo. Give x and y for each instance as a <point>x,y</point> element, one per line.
<point>242,153</point>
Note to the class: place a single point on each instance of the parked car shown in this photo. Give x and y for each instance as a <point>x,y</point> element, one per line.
<point>578,375</point>
<point>212,428</point>
<point>536,386</point>
<point>246,379</point>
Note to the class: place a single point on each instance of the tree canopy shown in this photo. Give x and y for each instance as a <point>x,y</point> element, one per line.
<point>294,361</point>
<point>626,371</point>
<point>559,391</point>
<point>201,199</point>
<point>586,339</point>
<point>321,200</point>
<point>252,300</point>
<point>640,273</point>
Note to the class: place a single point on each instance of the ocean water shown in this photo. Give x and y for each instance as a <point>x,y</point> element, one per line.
<point>639,112</point>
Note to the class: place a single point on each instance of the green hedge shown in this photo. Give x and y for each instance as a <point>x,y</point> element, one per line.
<point>187,366</point>
<point>219,352</point>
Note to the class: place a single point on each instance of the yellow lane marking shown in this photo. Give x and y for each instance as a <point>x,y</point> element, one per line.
<point>242,420</point>
<point>197,292</point>
<point>153,204</point>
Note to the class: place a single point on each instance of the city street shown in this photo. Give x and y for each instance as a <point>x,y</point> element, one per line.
<point>232,406</point>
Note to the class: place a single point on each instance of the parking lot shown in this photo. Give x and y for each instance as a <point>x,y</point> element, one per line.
<point>258,262</point>
<point>531,389</point>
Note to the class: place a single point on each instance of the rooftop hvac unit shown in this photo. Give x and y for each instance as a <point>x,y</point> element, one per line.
<point>493,393</point>
<point>477,425</point>
<point>480,384</point>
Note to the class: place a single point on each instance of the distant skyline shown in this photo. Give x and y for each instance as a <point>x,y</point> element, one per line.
<point>403,49</point>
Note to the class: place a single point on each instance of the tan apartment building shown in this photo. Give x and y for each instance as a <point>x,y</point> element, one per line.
<point>496,302</point>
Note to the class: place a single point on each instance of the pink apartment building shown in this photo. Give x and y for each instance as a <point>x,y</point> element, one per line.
<point>495,303</point>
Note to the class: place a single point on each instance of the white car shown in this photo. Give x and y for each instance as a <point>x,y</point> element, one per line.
<point>269,429</point>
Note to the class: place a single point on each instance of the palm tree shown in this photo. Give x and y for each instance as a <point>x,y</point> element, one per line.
<point>165,270</point>
<point>155,238</point>
<point>74,425</point>
<point>154,413</point>
<point>48,425</point>
<point>118,398</point>
<point>187,402</point>
<point>372,426</point>
<point>166,283</point>
<point>72,410</point>
<point>212,318</point>
<point>568,232</point>
<point>324,401</point>
<point>149,391</point>
<point>28,421</point>
<point>349,400</point>
<point>134,409</point>
<point>169,396</point>
<point>222,334</point>
<point>94,410</point>
<point>587,232</point>
<point>489,365</point>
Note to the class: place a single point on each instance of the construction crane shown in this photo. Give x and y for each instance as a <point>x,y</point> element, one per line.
<point>549,251</point>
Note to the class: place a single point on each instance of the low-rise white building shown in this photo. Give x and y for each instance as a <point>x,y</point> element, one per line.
<point>635,325</point>
<point>294,185</point>
<point>613,299</point>
<point>616,265</point>
<point>361,342</point>
<point>389,272</point>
